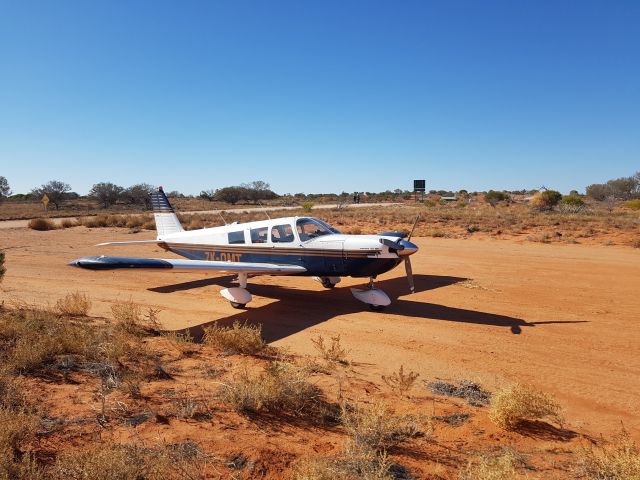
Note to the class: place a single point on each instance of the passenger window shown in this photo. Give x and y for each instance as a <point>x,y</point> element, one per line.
<point>282,234</point>
<point>236,237</point>
<point>259,235</point>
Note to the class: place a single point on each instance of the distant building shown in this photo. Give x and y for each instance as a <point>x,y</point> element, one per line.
<point>449,199</point>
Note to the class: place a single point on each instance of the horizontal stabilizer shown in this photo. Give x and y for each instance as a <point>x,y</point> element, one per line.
<point>112,263</point>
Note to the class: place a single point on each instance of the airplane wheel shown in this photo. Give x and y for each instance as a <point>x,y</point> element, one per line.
<point>326,283</point>
<point>237,305</point>
<point>376,308</point>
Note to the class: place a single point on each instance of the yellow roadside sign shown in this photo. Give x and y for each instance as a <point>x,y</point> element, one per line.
<point>45,199</point>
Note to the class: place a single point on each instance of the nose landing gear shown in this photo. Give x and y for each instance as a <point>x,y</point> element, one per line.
<point>374,297</point>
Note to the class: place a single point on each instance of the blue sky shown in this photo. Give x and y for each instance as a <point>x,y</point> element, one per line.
<point>319,96</point>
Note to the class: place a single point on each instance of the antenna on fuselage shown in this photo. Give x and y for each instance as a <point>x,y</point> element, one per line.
<point>223,219</point>
<point>264,209</point>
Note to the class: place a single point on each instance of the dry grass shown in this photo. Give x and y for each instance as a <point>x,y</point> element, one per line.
<point>492,467</point>
<point>109,462</point>
<point>17,430</point>
<point>619,460</point>
<point>334,353</point>
<point>401,382</point>
<point>350,465</point>
<point>240,338</point>
<point>281,388</point>
<point>74,305</point>
<point>69,223</point>
<point>129,319</point>
<point>512,405</point>
<point>42,224</point>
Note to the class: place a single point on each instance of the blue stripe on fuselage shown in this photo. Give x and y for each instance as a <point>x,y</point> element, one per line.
<point>315,265</point>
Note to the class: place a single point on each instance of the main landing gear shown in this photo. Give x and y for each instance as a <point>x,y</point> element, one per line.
<point>328,282</point>
<point>374,297</point>
<point>238,296</point>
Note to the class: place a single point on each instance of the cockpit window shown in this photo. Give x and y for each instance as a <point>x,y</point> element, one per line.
<point>281,233</point>
<point>309,228</point>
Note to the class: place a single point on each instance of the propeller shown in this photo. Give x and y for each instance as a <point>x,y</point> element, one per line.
<point>414,227</point>
<point>407,267</point>
<point>407,259</point>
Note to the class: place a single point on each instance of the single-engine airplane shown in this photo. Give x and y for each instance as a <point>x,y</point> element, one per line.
<point>302,246</point>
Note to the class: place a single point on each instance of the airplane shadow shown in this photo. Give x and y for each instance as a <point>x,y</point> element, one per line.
<point>300,309</point>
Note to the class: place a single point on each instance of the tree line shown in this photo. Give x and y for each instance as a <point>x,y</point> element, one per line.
<point>623,188</point>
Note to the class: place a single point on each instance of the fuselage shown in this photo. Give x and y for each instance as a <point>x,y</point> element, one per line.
<point>304,241</point>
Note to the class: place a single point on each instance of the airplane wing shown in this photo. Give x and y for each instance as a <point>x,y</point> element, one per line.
<point>179,265</point>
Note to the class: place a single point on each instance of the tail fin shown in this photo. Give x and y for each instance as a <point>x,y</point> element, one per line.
<point>166,219</point>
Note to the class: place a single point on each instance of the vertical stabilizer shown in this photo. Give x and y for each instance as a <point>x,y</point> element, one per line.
<point>166,219</point>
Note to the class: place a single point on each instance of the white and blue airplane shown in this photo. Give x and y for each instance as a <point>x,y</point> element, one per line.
<point>302,246</point>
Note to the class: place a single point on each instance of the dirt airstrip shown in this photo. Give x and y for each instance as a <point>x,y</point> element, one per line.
<point>562,317</point>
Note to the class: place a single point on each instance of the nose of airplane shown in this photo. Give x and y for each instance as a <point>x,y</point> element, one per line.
<point>409,248</point>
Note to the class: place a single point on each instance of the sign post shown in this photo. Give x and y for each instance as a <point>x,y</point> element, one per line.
<point>45,201</point>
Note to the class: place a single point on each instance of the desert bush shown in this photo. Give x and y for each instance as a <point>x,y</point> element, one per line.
<point>429,203</point>
<point>376,428</point>
<point>619,460</point>
<point>74,304</point>
<point>334,353</point>
<point>633,204</point>
<point>129,319</point>
<point>491,467</point>
<point>41,224</point>
<point>307,206</point>
<point>239,338</point>
<point>69,223</point>
<point>512,405</point>
<point>472,392</point>
<point>12,395</point>
<point>545,200</point>
<point>281,388</point>
<point>401,382</point>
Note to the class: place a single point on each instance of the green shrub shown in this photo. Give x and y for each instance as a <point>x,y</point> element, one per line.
<point>493,197</point>
<point>429,203</point>
<point>573,200</point>
<point>307,206</point>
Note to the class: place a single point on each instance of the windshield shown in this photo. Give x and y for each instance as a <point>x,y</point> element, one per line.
<point>309,228</point>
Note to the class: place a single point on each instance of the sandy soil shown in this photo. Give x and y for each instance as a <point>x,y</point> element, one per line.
<point>562,317</point>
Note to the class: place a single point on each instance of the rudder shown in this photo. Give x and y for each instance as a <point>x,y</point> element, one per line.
<point>166,219</point>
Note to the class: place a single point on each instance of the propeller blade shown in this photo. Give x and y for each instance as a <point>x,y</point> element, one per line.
<point>414,227</point>
<point>391,244</point>
<point>407,266</point>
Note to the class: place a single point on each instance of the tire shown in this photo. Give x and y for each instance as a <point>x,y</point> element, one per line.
<point>237,305</point>
<point>376,308</point>
<point>326,283</point>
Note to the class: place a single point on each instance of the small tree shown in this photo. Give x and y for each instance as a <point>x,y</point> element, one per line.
<point>5,191</point>
<point>106,193</point>
<point>231,195</point>
<point>55,190</point>
<point>139,194</point>
<point>208,194</point>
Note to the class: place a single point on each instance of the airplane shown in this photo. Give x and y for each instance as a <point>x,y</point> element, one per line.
<point>300,246</point>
